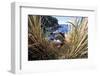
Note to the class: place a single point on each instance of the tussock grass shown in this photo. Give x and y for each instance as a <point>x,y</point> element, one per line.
<point>78,40</point>
<point>75,42</point>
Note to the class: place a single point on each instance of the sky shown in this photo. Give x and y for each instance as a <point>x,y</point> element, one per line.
<point>65,19</point>
<point>61,20</point>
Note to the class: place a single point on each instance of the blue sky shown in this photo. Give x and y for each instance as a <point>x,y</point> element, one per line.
<point>64,19</point>
<point>61,19</point>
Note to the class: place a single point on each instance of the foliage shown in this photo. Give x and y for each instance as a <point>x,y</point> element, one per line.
<point>47,22</point>
<point>38,47</point>
<point>78,39</point>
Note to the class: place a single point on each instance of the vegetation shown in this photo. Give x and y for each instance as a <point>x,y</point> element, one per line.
<point>75,43</point>
<point>48,23</point>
